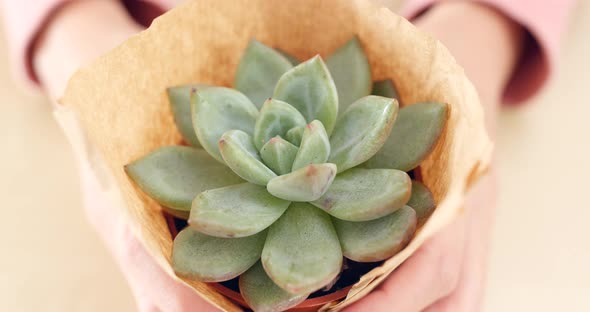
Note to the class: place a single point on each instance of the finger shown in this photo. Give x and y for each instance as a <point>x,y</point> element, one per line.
<point>152,287</point>
<point>469,292</point>
<point>75,34</point>
<point>428,275</point>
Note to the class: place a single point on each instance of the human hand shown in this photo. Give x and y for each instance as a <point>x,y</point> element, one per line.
<point>79,32</point>
<point>448,272</point>
<point>440,275</point>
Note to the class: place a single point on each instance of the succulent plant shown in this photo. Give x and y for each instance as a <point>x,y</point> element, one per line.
<point>300,166</point>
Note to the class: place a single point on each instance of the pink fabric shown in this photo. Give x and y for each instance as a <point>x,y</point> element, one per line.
<point>545,21</point>
<point>154,290</point>
<point>25,18</point>
<point>152,287</point>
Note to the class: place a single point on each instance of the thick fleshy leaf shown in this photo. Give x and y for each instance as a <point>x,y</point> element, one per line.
<point>366,194</point>
<point>361,131</point>
<point>174,175</point>
<point>240,154</point>
<point>263,295</point>
<point>279,154</point>
<point>302,253</point>
<point>259,70</point>
<point>385,88</point>
<point>414,135</point>
<point>276,118</point>
<point>180,101</point>
<point>295,135</point>
<point>310,89</point>
<point>214,259</point>
<point>235,211</point>
<point>215,110</point>
<point>379,239</point>
<point>314,147</point>
<point>294,61</point>
<point>351,72</point>
<point>306,184</point>
<point>422,201</point>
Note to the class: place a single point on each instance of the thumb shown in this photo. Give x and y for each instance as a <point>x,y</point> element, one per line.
<point>77,33</point>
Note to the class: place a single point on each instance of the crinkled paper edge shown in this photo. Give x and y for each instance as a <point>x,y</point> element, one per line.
<point>117,104</point>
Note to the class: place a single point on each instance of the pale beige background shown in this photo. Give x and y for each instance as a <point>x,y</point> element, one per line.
<point>51,260</point>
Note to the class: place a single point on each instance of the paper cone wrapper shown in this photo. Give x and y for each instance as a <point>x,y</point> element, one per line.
<point>122,113</point>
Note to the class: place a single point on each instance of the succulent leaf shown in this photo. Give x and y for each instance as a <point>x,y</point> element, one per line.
<point>314,147</point>
<point>259,70</point>
<point>385,88</point>
<point>351,72</point>
<point>310,89</point>
<point>278,154</point>
<point>294,135</point>
<point>366,194</point>
<point>174,175</point>
<point>216,110</point>
<point>378,239</point>
<point>294,61</point>
<point>263,295</point>
<point>214,259</point>
<point>240,154</point>
<point>276,118</point>
<point>306,184</point>
<point>422,201</point>
<point>361,131</point>
<point>302,253</point>
<point>235,211</point>
<point>179,98</point>
<point>414,135</point>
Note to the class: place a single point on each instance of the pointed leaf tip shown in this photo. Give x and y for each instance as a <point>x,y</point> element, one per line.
<point>179,98</point>
<point>362,130</point>
<point>379,239</point>
<point>215,110</point>
<point>276,118</point>
<point>413,137</point>
<point>295,135</point>
<point>385,88</point>
<point>310,89</point>
<point>174,175</point>
<point>422,201</point>
<point>235,211</point>
<point>240,154</point>
<point>314,147</point>
<point>351,72</point>
<point>214,259</point>
<point>278,154</point>
<point>263,295</point>
<point>366,194</point>
<point>259,70</point>
<point>306,184</point>
<point>302,253</point>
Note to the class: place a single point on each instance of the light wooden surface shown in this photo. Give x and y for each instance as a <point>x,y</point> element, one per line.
<point>52,260</point>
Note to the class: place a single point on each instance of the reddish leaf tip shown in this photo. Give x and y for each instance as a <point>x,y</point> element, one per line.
<point>311,171</point>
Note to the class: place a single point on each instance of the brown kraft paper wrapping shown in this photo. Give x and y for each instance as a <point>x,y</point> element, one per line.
<point>117,111</point>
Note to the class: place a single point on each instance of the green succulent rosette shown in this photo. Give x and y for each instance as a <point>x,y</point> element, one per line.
<point>117,114</point>
<point>298,167</point>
